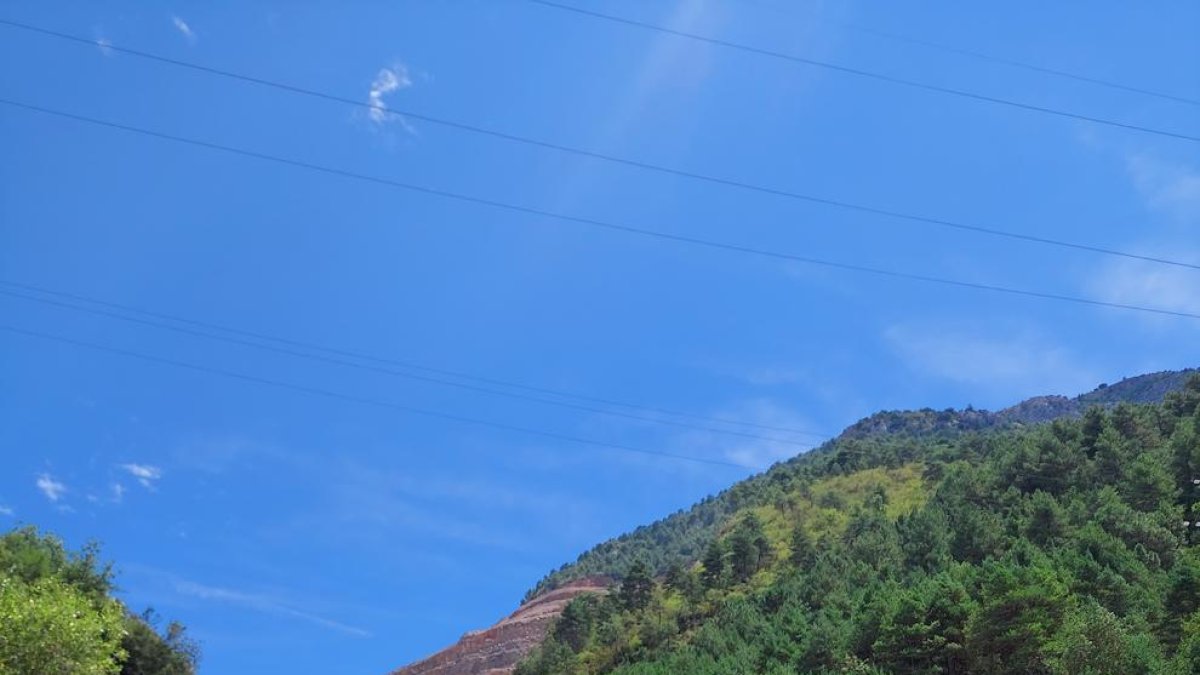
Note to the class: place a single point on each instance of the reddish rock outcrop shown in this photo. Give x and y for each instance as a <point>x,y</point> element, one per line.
<point>497,650</point>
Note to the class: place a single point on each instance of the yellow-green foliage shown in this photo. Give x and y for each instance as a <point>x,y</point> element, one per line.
<point>824,508</point>
<point>49,627</point>
<point>831,501</point>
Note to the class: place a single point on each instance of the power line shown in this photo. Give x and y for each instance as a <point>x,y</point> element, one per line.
<point>369,401</point>
<point>410,365</point>
<point>592,222</point>
<point>881,77</point>
<point>397,373</point>
<point>614,159</point>
<point>1032,67</point>
<point>1003,60</point>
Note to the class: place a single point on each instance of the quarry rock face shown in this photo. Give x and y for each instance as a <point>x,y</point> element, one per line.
<point>497,650</point>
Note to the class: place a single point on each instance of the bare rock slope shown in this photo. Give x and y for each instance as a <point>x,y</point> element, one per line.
<point>497,650</point>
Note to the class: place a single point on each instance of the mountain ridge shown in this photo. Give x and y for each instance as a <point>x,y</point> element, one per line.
<point>680,538</point>
<point>925,422</point>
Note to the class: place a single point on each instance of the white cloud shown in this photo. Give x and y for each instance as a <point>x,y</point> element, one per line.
<point>182,27</point>
<point>260,603</point>
<point>1169,188</point>
<point>765,448</point>
<point>144,473</point>
<point>53,489</point>
<point>118,492</point>
<point>1136,282</point>
<point>104,45</point>
<point>6,511</point>
<point>1014,364</point>
<point>1172,192</point>
<point>388,80</point>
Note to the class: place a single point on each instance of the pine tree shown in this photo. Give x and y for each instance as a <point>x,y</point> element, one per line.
<point>637,587</point>
<point>713,575</point>
<point>803,550</point>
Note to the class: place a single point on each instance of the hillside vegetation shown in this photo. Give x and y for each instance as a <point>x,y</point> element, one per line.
<point>1068,547</point>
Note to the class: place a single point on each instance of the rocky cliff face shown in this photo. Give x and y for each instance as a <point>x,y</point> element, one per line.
<point>497,650</point>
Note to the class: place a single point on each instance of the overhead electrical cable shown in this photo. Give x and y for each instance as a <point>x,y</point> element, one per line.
<point>1032,67</point>
<point>869,74</point>
<point>623,161</point>
<point>601,224</point>
<point>362,356</point>
<point>993,58</point>
<point>397,373</point>
<point>368,401</point>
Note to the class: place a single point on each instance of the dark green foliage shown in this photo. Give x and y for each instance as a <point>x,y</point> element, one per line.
<point>636,587</point>
<point>803,550</point>
<point>552,657</point>
<point>1093,641</point>
<point>1020,610</point>
<point>713,575</point>
<point>1057,548</point>
<point>171,652</point>
<point>574,627</point>
<point>29,556</point>
<point>924,628</point>
<point>749,549</point>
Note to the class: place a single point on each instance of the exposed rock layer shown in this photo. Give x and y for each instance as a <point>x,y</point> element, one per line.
<point>497,650</point>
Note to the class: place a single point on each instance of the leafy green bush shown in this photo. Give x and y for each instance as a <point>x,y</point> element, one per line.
<point>57,616</point>
<point>49,627</point>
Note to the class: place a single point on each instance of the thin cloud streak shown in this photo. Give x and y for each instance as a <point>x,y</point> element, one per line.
<point>184,28</point>
<point>260,603</point>
<point>144,473</point>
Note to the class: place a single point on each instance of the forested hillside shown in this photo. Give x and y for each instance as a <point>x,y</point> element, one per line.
<point>58,616</point>
<point>681,536</point>
<point>1064,547</point>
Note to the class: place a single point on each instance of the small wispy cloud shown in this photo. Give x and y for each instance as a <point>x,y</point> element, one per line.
<point>760,447</point>
<point>387,81</point>
<point>6,511</point>
<point>1012,363</point>
<point>261,603</point>
<point>118,492</point>
<point>1168,187</point>
<point>51,488</point>
<point>1134,282</point>
<point>185,29</point>
<point>144,473</point>
<point>1171,193</point>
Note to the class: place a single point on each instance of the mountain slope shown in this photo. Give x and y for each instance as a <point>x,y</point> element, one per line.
<point>681,537</point>
<point>1064,548</point>
<point>887,466</point>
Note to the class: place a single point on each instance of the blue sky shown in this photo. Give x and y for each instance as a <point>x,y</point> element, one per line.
<point>297,532</point>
